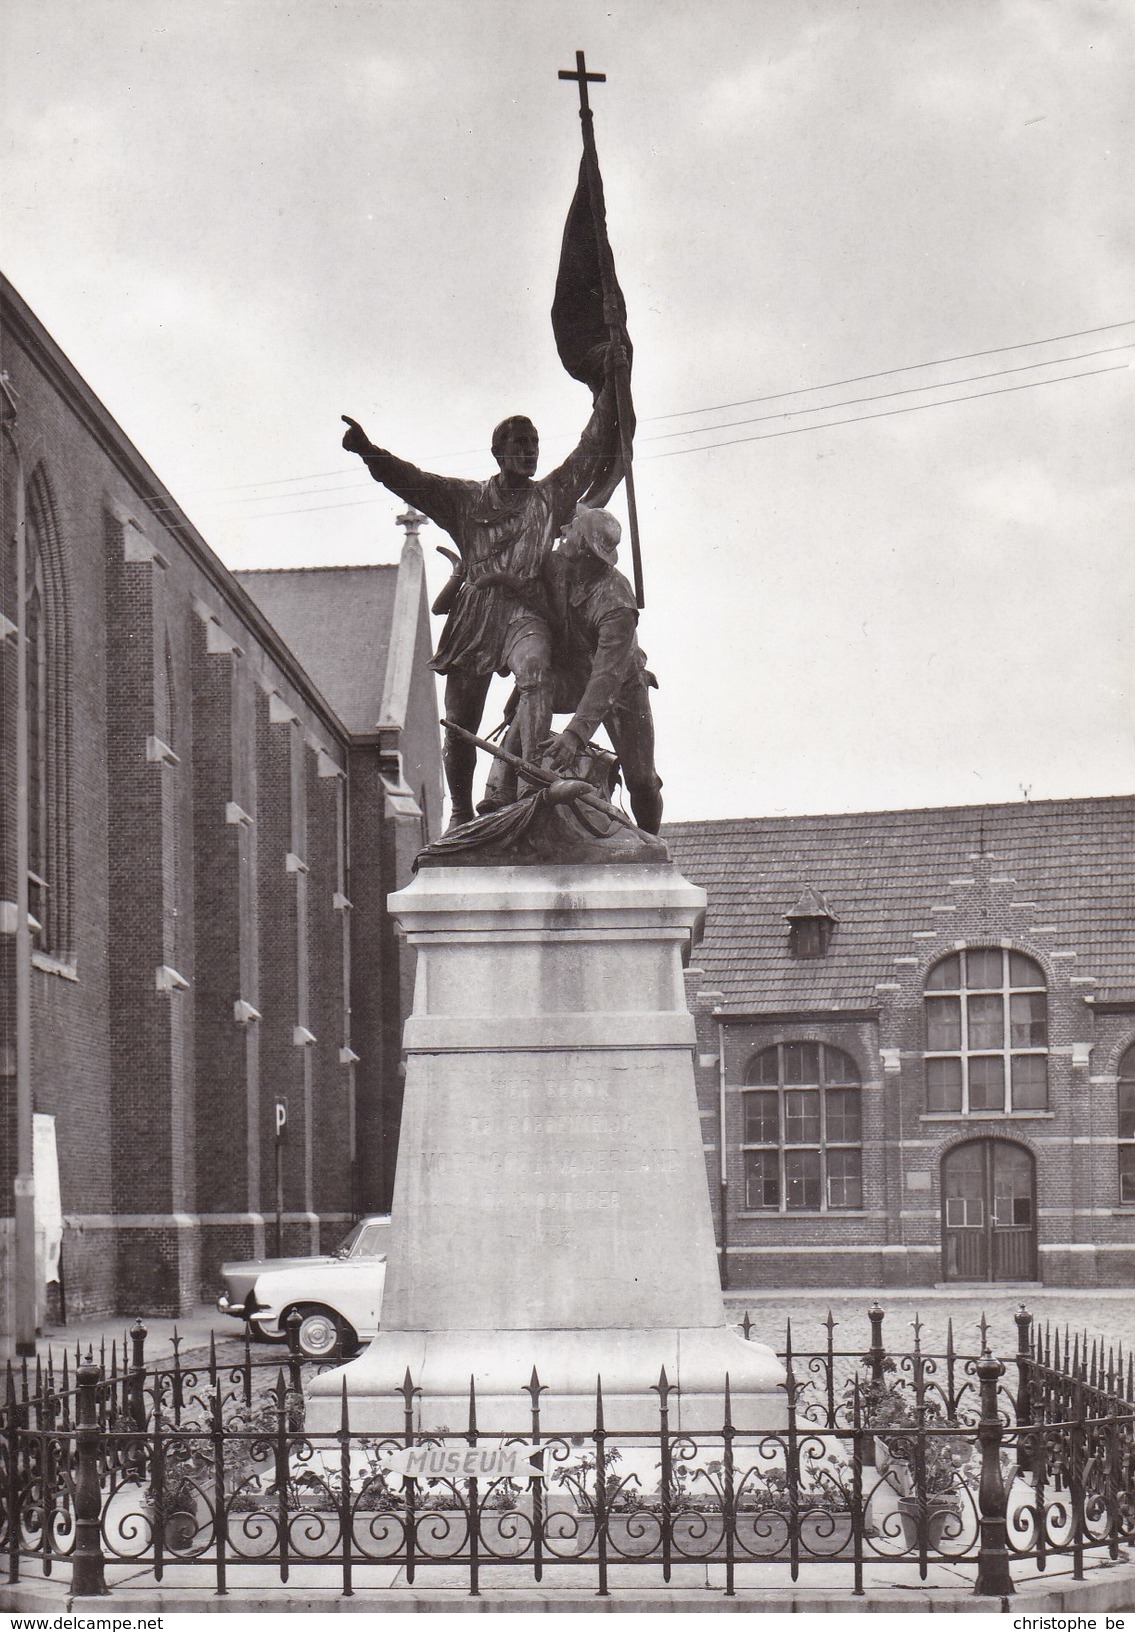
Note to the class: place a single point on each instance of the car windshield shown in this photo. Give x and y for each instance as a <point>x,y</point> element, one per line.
<point>343,1250</point>
<point>366,1240</point>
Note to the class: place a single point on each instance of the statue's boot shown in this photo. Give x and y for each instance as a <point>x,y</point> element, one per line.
<point>646,803</point>
<point>460,760</point>
<point>534,716</point>
<point>501,783</point>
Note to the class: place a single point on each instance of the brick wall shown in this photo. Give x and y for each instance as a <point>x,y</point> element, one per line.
<point>1083,1235</point>
<point>182,707</point>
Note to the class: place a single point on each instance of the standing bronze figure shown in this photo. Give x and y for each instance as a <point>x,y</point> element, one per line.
<point>505,525</point>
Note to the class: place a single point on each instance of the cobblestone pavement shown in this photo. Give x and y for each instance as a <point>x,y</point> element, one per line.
<point>1107,1314</point>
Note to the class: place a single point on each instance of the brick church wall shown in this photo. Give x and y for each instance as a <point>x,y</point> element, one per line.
<point>199,760</point>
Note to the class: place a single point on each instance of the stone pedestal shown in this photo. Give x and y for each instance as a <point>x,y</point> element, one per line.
<point>551,1207</point>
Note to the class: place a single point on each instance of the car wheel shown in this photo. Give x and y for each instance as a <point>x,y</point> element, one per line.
<point>321,1331</point>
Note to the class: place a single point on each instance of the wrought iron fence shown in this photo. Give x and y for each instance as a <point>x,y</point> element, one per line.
<point>911,1459</point>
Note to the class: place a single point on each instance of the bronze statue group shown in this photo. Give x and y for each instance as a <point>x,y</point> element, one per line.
<point>562,621</point>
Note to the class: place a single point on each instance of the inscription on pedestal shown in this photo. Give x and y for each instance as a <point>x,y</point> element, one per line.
<point>520,1162</point>
<point>578,1189</point>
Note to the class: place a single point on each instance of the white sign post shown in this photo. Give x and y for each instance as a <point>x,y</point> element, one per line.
<point>48,1207</point>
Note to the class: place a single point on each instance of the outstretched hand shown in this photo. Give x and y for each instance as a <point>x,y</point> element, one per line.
<point>356,439</point>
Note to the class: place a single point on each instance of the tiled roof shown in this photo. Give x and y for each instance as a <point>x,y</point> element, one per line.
<point>899,881</point>
<point>337,621</point>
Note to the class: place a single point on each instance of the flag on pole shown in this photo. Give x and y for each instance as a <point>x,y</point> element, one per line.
<point>584,321</point>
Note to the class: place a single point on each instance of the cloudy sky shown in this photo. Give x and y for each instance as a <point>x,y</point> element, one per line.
<point>242,218</point>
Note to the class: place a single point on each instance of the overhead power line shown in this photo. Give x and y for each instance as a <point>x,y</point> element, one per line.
<point>888,413</point>
<point>787,413</point>
<point>904,391</point>
<point>906,368</point>
<point>766,436</point>
<point>746,402</point>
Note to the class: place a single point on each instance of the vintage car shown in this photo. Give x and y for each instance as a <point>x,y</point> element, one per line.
<point>338,1295</point>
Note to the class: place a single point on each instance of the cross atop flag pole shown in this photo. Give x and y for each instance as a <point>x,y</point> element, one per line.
<point>589,310</point>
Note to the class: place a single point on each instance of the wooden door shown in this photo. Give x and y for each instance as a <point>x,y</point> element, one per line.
<point>988,1212</point>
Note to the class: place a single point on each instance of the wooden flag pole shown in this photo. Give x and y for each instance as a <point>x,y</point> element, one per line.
<point>610,306</point>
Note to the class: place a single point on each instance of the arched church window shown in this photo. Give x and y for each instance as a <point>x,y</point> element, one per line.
<point>49,722</point>
<point>167,725</point>
<point>802,1130</point>
<point>38,862</point>
<point>986,1033</point>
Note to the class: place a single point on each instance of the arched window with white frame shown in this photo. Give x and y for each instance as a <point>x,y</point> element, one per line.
<point>986,1033</point>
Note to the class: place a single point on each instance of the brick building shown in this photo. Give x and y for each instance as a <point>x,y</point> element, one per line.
<point>916,1043</point>
<point>215,815</point>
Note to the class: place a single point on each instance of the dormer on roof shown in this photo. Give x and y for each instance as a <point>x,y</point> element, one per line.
<point>810,925</point>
